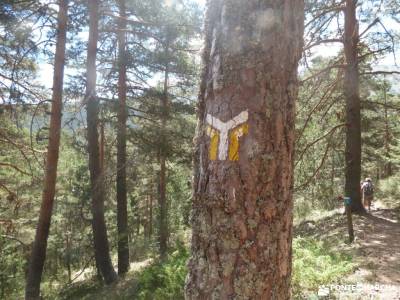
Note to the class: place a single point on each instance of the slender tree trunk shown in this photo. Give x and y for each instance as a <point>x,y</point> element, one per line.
<point>145,221</point>
<point>151,216</point>
<point>68,258</point>
<point>146,213</point>
<point>38,254</point>
<point>353,108</point>
<point>243,178</point>
<point>378,173</point>
<point>163,222</point>
<point>101,247</point>
<point>138,225</point>
<point>2,285</point>
<point>102,146</point>
<point>333,173</point>
<point>122,212</point>
<point>388,163</point>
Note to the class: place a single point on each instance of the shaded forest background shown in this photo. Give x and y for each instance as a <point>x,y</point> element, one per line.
<point>162,60</point>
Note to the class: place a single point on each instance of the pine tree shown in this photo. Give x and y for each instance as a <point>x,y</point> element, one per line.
<point>122,213</point>
<point>243,180</point>
<point>101,247</point>
<point>353,108</point>
<point>39,248</point>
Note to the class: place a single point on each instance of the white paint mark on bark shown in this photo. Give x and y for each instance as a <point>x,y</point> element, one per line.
<point>217,76</point>
<point>224,128</point>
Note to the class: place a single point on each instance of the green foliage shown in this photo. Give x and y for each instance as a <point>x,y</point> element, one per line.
<point>10,264</point>
<point>152,51</point>
<point>79,290</point>
<point>320,129</point>
<point>319,165</point>
<point>164,280</point>
<point>316,263</point>
<point>389,187</point>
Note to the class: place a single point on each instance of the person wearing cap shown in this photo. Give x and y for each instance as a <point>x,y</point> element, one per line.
<point>367,189</point>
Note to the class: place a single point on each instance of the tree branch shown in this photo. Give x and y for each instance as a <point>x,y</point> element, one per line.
<point>369,27</point>
<point>317,43</point>
<point>317,170</point>
<point>381,73</point>
<point>14,239</point>
<point>14,167</point>
<point>330,132</point>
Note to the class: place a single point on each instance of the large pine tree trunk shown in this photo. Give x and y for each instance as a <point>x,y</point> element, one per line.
<point>100,239</point>
<point>38,254</point>
<point>122,213</point>
<point>243,181</point>
<point>353,108</point>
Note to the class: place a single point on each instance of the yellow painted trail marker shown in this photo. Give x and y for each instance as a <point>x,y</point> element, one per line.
<point>225,136</point>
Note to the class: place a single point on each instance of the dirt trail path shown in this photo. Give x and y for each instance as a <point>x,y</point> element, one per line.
<point>377,246</point>
<point>375,251</point>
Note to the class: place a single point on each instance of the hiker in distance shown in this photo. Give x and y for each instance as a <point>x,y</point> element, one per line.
<point>367,189</point>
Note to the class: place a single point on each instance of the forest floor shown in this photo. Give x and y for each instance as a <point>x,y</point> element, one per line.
<point>90,289</point>
<point>375,254</point>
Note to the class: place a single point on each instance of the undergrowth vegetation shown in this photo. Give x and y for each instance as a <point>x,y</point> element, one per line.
<point>387,190</point>
<point>164,280</point>
<point>315,263</point>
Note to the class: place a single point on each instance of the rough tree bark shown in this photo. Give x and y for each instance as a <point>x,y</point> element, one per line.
<point>122,213</point>
<point>101,247</point>
<point>38,254</point>
<point>353,108</point>
<point>243,182</point>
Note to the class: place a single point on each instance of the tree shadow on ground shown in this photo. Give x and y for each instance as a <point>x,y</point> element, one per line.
<point>378,242</point>
<point>376,248</point>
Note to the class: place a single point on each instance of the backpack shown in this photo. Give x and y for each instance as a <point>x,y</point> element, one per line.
<point>368,189</point>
